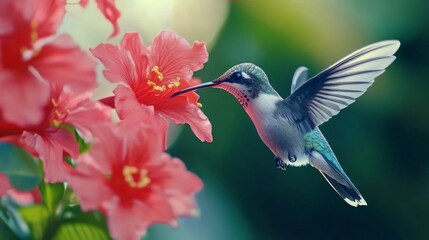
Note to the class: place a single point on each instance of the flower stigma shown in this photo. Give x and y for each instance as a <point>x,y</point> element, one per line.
<point>59,116</point>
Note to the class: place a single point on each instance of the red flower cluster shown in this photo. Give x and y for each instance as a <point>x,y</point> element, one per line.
<point>136,183</point>
<point>46,83</point>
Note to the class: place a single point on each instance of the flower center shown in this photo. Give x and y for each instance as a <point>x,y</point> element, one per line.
<point>59,115</point>
<point>155,77</point>
<point>130,171</point>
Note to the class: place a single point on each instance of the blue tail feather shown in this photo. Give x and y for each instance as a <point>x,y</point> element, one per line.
<point>323,158</point>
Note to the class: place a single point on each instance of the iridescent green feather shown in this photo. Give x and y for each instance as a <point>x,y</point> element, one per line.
<point>315,141</point>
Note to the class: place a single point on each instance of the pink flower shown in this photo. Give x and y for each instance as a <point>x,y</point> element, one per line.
<point>151,74</point>
<point>30,60</point>
<point>4,184</point>
<point>110,12</point>
<point>49,140</point>
<point>129,177</point>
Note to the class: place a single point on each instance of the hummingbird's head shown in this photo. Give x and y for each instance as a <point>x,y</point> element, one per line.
<point>244,81</point>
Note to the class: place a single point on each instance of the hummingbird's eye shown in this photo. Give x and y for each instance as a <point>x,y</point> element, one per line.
<point>236,76</point>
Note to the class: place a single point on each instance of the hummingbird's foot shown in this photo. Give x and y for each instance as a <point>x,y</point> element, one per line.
<point>292,158</point>
<point>278,163</point>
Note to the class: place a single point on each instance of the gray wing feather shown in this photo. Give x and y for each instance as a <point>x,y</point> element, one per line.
<point>325,94</point>
<point>300,76</point>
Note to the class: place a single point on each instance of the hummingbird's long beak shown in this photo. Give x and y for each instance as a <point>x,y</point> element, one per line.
<point>202,85</point>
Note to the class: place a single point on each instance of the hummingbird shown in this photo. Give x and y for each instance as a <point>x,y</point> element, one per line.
<point>289,126</point>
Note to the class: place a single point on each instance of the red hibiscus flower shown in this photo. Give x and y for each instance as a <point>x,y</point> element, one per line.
<point>110,12</point>
<point>30,60</point>
<point>49,140</point>
<point>129,177</point>
<point>151,74</point>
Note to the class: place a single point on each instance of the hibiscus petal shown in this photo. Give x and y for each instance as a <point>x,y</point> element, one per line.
<point>133,43</point>
<point>6,22</point>
<point>179,185</point>
<point>83,3</point>
<point>130,221</point>
<point>172,174</point>
<point>127,104</point>
<point>32,93</point>
<point>142,129</point>
<point>175,57</point>
<point>90,185</point>
<point>50,148</point>
<point>119,66</point>
<point>106,151</point>
<point>48,15</point>
<point>111,13</point>
<point>183,205</point>
<point>87,114</point>
<point>190,114</point>
<point>66,141</point>
<point>62,62</point>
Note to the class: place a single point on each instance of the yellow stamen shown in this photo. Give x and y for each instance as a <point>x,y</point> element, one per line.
<point>54,102</point>
<point>56,123</point>
<point>150,83</point>
<point>159,88</point>
<point>33,34</point>
<point>175,84</point>
<point>158,73</point>
<point>199,105</point>
<point>58,113</point>
<point>128,172</point>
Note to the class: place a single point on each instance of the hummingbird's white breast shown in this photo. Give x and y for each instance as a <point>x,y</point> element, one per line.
<point>260,110</point>
<point>277,132</point>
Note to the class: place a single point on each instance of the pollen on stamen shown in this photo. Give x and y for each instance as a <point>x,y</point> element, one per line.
<point>159,88</point>
<point>175,84</point>
<point>33,34</point>
<point>128,172</point>
<point>54,102</point>
<point>158,73</point>
<point>58,113</point>
<point>55,123</point>
<point>150,83</point>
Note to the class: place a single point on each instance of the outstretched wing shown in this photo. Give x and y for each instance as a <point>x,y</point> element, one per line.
<point>323,96</point>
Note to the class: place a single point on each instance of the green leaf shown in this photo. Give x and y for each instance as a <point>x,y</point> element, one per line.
<point>52,195</point>
<point>80,230</point>
<point>11,224</point>
<point>75,214</point>
<point>82,225</point>
<point>37,217</point>
<point>83,145</point>
<point>21,168</point>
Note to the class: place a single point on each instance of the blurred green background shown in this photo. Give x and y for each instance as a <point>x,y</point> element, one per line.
<point>380,140</point>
